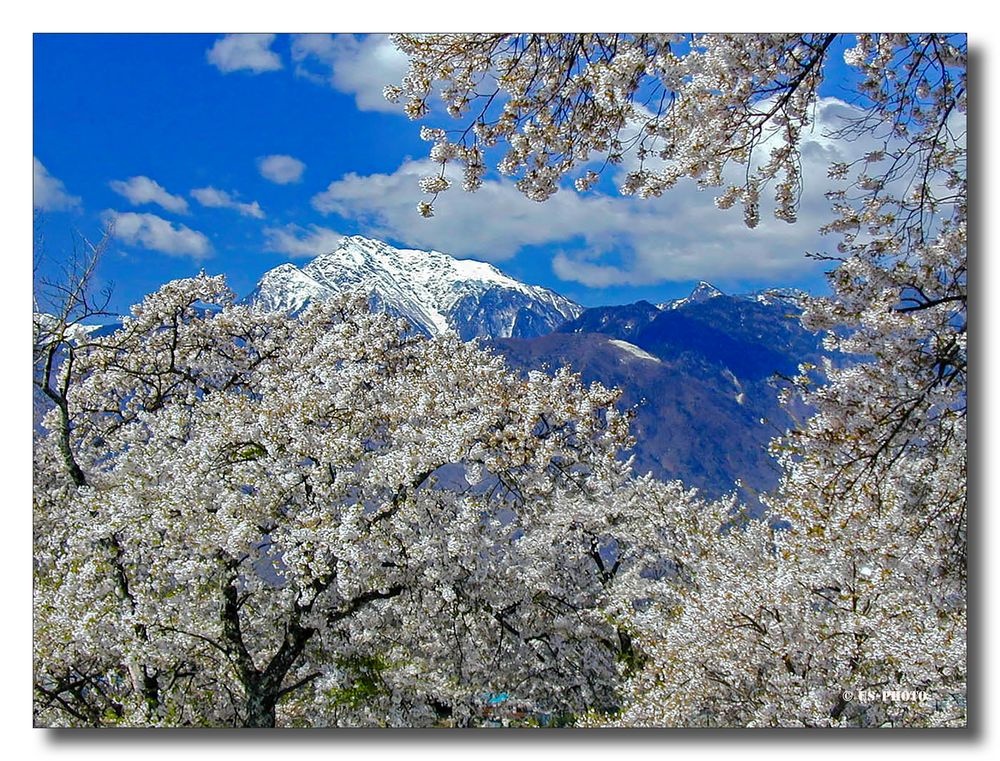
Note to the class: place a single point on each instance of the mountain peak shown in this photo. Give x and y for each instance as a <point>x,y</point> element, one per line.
<point>436,292</point>
<point>703,291</point>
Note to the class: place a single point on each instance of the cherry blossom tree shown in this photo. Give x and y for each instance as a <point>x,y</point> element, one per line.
<point>243,518</point>
<point>246,519</point>
<point>863,588</point>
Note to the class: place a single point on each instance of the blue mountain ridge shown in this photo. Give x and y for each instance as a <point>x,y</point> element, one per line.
<point>702,376</point>
<point>701,373</point>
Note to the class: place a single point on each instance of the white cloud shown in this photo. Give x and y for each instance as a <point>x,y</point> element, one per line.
<point>608,240</point>
<point>593,275</point>
<point>358,66</point>
<point>157,234</point>
<point>296,241</point>
<point>220,199</point>
<point>280,168</point>
<point>235,52</point>
<point>494,223</point>
<point>140,190</point>
<point>49,193</point>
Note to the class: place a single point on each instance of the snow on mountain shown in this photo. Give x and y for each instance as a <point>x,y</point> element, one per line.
<point>633,350</point>
<point>288,288</point>
<point>436,292</point>
<point>702,292</point>
<point>787,296</point>
<point>44,323</point>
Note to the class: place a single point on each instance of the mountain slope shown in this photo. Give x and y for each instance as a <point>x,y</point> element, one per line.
<point>620,321</point>
<point>434,291</point>
<point>702,374</point>
<point>688,425</point>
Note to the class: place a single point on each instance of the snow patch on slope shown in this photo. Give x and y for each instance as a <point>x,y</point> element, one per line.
<point>740,394</point>
<point>633,349</point>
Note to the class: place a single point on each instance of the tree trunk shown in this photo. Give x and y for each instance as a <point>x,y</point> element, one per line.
<point>260,708</point>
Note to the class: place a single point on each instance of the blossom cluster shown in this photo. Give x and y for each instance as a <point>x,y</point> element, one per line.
<point>270,507</point>
<point>682,106</point>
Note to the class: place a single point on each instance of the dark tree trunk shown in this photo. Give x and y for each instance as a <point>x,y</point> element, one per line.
<point>261,702</point>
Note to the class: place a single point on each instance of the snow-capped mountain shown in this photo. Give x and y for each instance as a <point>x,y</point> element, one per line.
<point>44,324</point>
<point>702,292</point>
<point>436,292</point>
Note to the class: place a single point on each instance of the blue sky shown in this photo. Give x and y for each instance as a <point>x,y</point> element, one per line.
<point>235,154</point>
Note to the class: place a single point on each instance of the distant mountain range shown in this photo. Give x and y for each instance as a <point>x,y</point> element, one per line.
<point>700,372</point>
<point>434,291</point>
